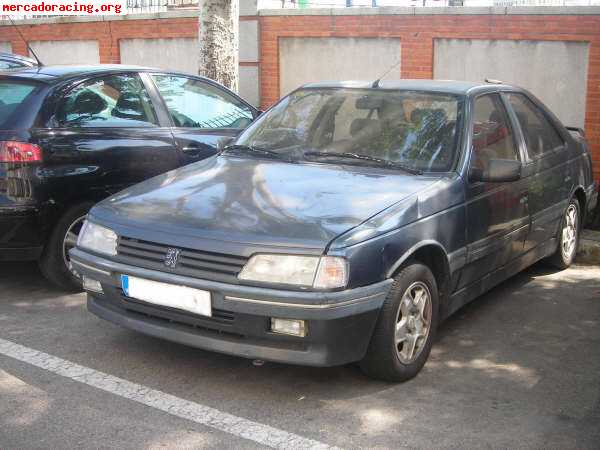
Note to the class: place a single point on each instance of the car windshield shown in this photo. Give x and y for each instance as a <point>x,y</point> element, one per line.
<point>415,130</point>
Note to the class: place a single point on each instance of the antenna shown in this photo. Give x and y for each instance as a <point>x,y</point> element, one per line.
<point>26,43</point>
<point>376,82</point>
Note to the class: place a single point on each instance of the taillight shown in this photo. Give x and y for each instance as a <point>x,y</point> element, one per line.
<point>19,152</point>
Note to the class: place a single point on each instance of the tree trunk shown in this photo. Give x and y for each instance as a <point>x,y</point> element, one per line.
<point>219,41</point>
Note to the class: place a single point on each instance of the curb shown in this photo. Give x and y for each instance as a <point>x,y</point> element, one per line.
<point>589,248</point>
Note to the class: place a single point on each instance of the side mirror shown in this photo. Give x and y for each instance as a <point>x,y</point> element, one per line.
<point>496,171</point>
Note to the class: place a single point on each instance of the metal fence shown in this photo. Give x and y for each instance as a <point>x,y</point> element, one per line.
<point>300,4</point>
<point>152,6</point>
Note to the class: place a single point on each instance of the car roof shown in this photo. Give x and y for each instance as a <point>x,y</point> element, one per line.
<point>14,56</point>
<point>53,74</point>
<point>447,86</point>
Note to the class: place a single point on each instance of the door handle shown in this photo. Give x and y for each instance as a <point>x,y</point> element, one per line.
<point>191,150</point>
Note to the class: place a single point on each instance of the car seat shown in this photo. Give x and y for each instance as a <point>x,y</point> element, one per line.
<point>88,103</point>
<point>129,106</point>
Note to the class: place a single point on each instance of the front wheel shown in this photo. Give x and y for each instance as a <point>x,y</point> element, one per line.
<point>406,326</point>
<point>55,262</point>
<point>568,237</point>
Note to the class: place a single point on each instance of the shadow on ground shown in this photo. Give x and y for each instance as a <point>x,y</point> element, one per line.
<point>518,367</point>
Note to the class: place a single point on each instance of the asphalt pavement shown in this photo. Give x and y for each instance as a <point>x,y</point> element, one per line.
<point>517,368</point>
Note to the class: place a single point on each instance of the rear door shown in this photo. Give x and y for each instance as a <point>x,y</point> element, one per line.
<point>205,117</point>
<point>103,135</point>
<point>497,213</point>
<point>546,168</point>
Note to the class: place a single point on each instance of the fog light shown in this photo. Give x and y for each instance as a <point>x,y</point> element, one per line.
<point>89,284</point>
<point>288,326</point>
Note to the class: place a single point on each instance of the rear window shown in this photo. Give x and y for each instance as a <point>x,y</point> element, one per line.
<point>12,94</point>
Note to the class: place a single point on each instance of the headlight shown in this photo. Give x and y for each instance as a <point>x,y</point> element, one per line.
<point>326,272</point>
<point>97,238</point>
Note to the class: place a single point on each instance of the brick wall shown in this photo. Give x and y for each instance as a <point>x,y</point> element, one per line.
<point>107,33</point>
<point>417,33</point>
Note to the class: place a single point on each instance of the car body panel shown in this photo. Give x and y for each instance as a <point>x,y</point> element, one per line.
<point>254,201</point>
<point>101,161</point>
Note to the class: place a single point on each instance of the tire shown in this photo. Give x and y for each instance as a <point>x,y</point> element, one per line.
<point>52,262</point>
<point>561,259</point>
<point>386,360</point>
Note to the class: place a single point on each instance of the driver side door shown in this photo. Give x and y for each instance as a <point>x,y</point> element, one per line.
<point>497,212</point>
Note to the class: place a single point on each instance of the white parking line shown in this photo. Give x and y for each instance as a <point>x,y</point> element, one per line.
<point>210,417</point>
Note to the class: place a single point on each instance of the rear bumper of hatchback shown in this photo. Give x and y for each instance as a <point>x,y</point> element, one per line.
<point>339,324</point>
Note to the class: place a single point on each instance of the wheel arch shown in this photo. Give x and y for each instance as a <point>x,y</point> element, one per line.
<point>579,194</point>
<point>433,255</point>
<point>62,209</point>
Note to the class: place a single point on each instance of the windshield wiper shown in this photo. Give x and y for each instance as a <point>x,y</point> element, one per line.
<point>357,156</point>
<point>252,150</point>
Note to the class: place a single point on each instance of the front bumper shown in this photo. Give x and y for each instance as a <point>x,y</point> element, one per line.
<point>340,323</point>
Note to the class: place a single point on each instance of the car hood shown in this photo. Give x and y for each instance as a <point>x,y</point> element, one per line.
<point>259,201</point>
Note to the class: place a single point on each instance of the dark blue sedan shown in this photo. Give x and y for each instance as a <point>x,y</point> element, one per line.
<point>343,225</point>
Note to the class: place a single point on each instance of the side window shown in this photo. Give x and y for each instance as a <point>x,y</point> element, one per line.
<point>112,101</point>
<point>540,135</point>
<point>493,137</point>
<point>195,104</point>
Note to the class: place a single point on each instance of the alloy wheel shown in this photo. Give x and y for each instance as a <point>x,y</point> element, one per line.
<point>569,233</point>
<point>413,322</point>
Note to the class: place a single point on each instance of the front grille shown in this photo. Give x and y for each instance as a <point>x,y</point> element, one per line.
<point>221,322</point>
<point>193,263</point>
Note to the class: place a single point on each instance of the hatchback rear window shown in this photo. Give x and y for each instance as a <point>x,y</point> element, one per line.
<point>12,94</point>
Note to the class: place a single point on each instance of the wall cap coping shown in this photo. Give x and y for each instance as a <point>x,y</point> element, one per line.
<point>383,10</point>
<point>425,11</point>
<point>184,13</point>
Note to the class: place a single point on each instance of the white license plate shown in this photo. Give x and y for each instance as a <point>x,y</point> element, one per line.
<point>165,294</point>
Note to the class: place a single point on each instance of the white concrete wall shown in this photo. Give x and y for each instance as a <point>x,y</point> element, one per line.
<point>248,7</point>
<point>248,40</point>
<point>249,53</point>
<point>304,60</point>
<point>554,71</point>
<point>179,54</point>
<point>249,84</point>
<point>5,47</point>
<point>66,52</point>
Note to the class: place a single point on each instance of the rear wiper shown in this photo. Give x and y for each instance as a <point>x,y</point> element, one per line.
<point>253,150</point>
<point>379,161</point>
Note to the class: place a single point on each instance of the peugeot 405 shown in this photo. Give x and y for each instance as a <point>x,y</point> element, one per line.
<point>343,225</point>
